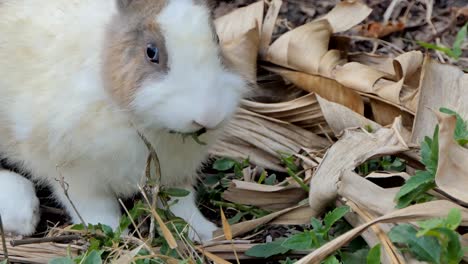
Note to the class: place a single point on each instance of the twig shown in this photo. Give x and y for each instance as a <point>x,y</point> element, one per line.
<point>58,239</point>
<point>153,182</point>
<point>5,249</point>
<point>389,11</point>
<point>65,186</point>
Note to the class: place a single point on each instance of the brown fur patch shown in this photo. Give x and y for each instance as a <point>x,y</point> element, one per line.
<point>125,63</point>
<point>131,30</point>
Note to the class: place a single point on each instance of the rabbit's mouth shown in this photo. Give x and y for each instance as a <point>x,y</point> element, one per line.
<point>195,135</point>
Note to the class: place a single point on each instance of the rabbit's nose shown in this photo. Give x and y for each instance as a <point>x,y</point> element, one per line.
<point>210,120</point>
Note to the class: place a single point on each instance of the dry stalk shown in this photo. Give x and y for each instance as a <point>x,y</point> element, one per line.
<point>64,185</point>
<point>5,249</point>
<point>58,239</point>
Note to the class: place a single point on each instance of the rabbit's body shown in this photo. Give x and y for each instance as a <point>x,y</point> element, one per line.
<point>63,112</point>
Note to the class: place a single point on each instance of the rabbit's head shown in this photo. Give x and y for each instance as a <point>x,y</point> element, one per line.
<point>163,63</point>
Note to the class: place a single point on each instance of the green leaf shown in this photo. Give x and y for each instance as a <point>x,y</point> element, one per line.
<point>316,224</point>
<point>267,250</point>
<point>357,257</point>
<point>374,255</point>
<point>454,218</point>
<point>175,192</point>
<point>454,251</point>
<point>461,128</point>
<point>224,164</point>
<point>460,38</point>
<point>419,179</point>
<point>271,180</point>
<point>301,241</point>
<point>236,218</point>
<point>331,260</point>
<point>426,45</point>
<point>423,248</point>
<point>63,260</point>
<point>93,258</point>
<point>333,216</point>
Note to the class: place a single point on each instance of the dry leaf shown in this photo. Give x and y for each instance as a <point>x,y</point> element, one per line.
<point>367,194</point>
<point>216,259</point>
<point>340,17</point>
<point>264,196</point>
<point>441,86</point>
<point>452,168</point>
<point>244,227</point>
<point>324,87</point>
<point>262,139</point>
<point>400,89</point>
<point>353,148</point>
<point>226,226</point>
<point>240,21</point>
<point>340,117</point>
<point>412,213</point>
<point>379,30</point>
<point>302,48</point>
<point>269,26</point>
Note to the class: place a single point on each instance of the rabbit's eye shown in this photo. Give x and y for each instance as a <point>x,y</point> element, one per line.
<point>152,53</point>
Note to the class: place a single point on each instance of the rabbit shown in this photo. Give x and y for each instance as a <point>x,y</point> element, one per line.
<point>79,80</point>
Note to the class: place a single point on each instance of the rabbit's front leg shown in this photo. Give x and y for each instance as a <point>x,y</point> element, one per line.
<point>19,205</point>
<point>201,228</point>
<point>92,202</point>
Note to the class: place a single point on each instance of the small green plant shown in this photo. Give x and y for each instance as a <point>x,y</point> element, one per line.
<point>386,163</point>
<point>415,189</point>
<point>436,241</point>
<point>455,52</point>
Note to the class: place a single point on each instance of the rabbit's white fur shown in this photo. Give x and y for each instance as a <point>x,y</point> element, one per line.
<point>56,119</point>
<point>22,215</point>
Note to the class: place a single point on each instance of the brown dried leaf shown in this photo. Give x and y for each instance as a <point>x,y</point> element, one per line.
<point>379,30</point>
<point>452,168</point>
<point>239,22</point>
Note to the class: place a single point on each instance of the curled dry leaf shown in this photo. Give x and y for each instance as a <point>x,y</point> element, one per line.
<point>412,213</point>
<point>452,167</point>
<point>340,117</point>
<point>441,86</point>
<point>399,90</point>
<point>353,148</point>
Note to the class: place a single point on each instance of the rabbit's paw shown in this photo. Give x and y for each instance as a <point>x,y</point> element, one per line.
<point>19,205</point>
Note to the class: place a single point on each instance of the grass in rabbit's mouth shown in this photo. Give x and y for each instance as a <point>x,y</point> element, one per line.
<point>195,135</point>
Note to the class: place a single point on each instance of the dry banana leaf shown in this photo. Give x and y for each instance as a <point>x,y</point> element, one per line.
<point>399,89</point>
<point>412,213</point>
<point>262,139</point>
<point>264,196</point>
<point>239,35</point>
<point>452,167</point>
<point>269,26</point>
<point>340,117</point>
<point>340,18</point>
<point>324,87</point>
<point>441,86</point>
<point>353,148</point>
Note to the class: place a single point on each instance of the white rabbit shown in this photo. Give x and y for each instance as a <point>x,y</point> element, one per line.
<point>80,78</point>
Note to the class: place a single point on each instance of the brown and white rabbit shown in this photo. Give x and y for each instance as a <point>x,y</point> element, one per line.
<point>79,78</point>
